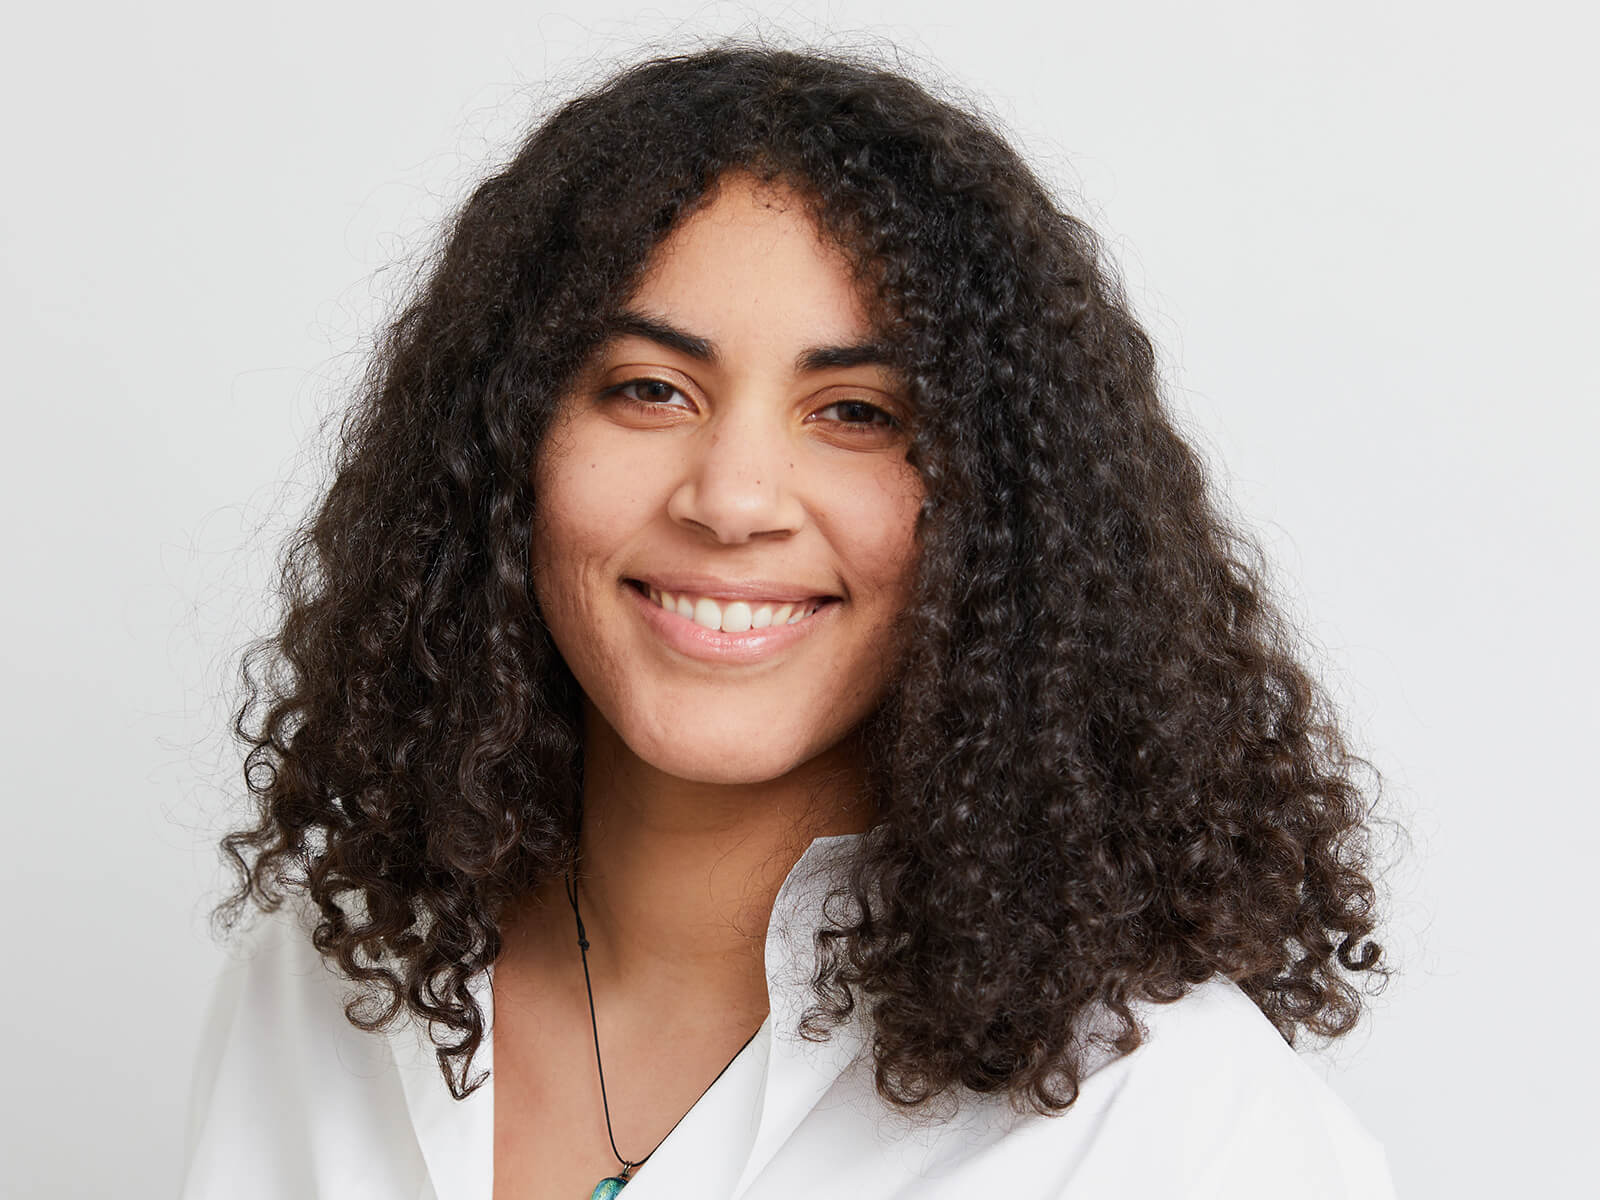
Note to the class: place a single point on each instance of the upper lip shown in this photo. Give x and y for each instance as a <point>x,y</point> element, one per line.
<point>780,590</point>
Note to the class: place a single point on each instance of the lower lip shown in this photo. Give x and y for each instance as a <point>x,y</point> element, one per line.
<point>713,645</point>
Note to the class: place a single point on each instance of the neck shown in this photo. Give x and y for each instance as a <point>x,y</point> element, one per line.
<point>677,879</point>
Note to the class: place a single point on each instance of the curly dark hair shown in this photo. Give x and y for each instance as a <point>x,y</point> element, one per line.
<point>1103,777</point>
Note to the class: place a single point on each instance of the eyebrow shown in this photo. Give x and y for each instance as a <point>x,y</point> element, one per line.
<point>816,358</point>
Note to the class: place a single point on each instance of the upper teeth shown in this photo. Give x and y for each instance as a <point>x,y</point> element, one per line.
<point>734,616</point>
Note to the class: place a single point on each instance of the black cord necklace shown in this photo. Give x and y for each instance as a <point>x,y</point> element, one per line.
<point>612,1184</point>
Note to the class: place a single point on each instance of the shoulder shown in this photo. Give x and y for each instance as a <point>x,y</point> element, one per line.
<point>286,1092</point>
<point>1212,1105</point>
<point>1228,1107</point>
<point>275,986</point>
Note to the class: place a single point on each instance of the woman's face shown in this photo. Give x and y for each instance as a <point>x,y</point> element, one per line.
<point>740,445</point>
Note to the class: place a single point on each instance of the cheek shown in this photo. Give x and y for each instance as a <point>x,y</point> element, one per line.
<point>569,530</point>
<point>876,521</point>
<point>589,506</point>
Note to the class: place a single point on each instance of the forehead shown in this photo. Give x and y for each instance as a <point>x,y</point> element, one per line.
<point>750,265</point>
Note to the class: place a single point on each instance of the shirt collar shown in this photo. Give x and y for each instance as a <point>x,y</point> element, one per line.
<point>456,1137</point>
<point>799,1072</point>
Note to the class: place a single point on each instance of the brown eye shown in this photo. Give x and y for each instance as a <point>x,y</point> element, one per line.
<point>646,393</point>
<point>860,413</point>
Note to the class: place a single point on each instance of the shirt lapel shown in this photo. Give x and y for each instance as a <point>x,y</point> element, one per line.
<point>799,1072</point>
<point>456,1136</point>
<point>704,1154</point>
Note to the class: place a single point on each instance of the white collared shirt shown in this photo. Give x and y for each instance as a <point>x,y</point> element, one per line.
<point>291,1101</point>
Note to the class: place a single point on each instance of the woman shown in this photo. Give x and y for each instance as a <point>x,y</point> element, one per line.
<point>767,708</point>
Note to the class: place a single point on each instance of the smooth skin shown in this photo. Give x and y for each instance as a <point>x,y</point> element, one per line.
<point>736,458</point>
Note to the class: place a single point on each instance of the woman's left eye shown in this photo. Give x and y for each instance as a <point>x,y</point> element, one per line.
<point>860,412</point>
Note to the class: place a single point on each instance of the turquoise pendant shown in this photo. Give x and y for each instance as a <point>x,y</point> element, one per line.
<point>608,1188</point>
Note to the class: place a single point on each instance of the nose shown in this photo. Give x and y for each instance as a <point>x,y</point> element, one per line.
<point>738,478</point>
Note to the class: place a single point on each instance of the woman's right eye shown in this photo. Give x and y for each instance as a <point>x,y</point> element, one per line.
<point>646,393</point>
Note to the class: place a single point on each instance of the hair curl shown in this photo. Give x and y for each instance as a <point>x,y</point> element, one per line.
<point>1104,776</point>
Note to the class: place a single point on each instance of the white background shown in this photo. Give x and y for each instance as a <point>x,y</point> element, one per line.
<point>1363,234</point>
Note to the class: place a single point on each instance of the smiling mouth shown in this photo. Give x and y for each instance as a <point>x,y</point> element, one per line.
<point>732,616</point>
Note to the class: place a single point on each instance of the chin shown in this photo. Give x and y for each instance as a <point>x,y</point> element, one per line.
<point>730,768</point>
<point>741,759</point>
